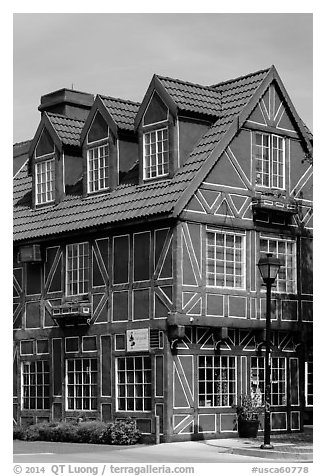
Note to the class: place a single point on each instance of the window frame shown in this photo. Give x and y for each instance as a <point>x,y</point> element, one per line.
<point>90,384</point>
<point>43,385</point>
<point>165,164</point>
<point>80,290</point>
<point>278,164</point>
<point>308,374</point>
<point>215,395</point>
<point>242,262</point>
<point>146,398</point>
<point>284,268</point>
<point>49,184</point>
<point>261,381</point>
<point>106,168</point>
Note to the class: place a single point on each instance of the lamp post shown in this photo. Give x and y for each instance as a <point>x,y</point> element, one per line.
<point>269,267</point>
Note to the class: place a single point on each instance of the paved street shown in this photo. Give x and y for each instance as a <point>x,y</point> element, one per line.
<point>185,452</point>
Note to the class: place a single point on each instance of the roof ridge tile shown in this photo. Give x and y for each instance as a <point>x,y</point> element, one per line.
<point>128,101</point>
<point>254,73</point>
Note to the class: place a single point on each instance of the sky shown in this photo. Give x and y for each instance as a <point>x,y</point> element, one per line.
<point>117,54</point>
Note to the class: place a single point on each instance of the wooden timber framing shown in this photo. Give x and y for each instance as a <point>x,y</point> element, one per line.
<point>174,332</point>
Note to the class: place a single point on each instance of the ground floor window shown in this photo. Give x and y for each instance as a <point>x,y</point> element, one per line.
<point>81,381</point>
<point>278,380</point>
<point>309,388</point>
<point>134,384</point>
<point>35,385</point>
<point>217,381</point>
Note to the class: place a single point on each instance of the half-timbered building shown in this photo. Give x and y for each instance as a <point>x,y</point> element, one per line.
<point>137,232</point>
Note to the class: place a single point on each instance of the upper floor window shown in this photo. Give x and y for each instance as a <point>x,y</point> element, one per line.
<point>98,168</point>
<point>285,250</point>
<point>44,181</point>
<point>268,154</point>
<point>225,263</point>
<point>98,155</point>
<point>156,153</point>
<point>77,269</point>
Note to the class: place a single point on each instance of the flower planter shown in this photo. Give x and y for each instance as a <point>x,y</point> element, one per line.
<point>248,428</point>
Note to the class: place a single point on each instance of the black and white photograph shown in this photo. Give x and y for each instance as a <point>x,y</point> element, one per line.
<point>162,232</point>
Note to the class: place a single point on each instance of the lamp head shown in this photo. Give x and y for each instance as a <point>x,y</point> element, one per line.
<point>269,267</point>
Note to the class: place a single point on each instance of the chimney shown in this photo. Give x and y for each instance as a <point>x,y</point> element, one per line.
<point>68,102</point>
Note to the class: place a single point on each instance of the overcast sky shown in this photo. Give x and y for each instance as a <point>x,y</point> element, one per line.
<point>117,54</point>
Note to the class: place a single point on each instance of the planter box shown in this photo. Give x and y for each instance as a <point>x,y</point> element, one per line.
<point>248,428</point>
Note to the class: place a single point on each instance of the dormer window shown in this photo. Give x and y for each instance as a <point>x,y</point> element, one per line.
<point>156,153</point>
<point>156,132</point>
<point>98,155</point>
<point>44,181</point>
<point>44,169</point>
<point>98,168</point>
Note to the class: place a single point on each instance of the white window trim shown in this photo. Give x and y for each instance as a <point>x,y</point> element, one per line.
<point>134,397</point>
<point>43,397</point>
<point>262,359</point>
<point>306,386</point>
<point>275,289</point>
<point>158,176</point>
<point>66,274</point>
<point>99,189</point>
<point>38,165</point>
<point>270,160</point>
<point>74,384</point>
<point>243,263</point>
<point>227,381</point>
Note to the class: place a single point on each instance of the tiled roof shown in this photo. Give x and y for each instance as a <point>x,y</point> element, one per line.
<point>128,202</point>
<point>74,212</point>
<point>235,95</point>
<point>20,153</point>
<point>193,97</point>
<point>68,129</point>
<point>122,111</point>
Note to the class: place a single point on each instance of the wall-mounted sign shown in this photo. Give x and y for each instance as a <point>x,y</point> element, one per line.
<point>137,339</point>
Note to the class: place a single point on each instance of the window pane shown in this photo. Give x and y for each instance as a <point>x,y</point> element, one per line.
<point>134,381</point>
<point>156,153</point>
<point>225,265</point>
<point>35,385</point>
<point>44,181</point>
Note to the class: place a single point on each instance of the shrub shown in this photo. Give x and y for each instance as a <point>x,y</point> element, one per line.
<point>125,432</point>
<point>65,432</point>
<point>36,432</point>
<point>90,431</point>
<point>18,432</point>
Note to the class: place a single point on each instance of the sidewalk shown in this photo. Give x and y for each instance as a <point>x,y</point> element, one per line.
<point>290,446</point>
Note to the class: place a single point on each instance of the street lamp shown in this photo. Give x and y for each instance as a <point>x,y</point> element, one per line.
<point>269,267</point>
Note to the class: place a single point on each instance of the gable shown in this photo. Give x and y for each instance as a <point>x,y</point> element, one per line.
<point>272,110</point>
<point>156,110</point>
<point>98,129</point>
<point>225,173</point>
<point>45,144</point>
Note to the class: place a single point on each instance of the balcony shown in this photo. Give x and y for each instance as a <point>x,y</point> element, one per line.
<point>273,208</point>
<point>72,313</point>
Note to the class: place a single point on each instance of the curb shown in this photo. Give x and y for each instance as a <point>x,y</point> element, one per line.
<point>272,454</point>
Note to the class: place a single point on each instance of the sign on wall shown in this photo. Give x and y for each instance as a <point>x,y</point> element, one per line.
<point>137,339</point>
